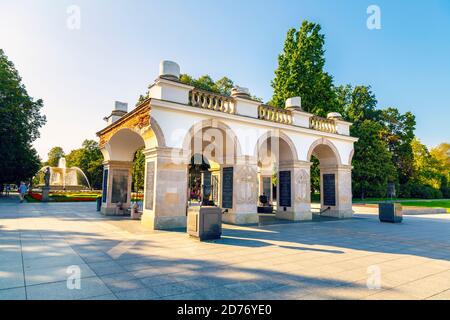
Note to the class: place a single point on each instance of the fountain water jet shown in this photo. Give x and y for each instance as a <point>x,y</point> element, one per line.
<point>63,177</point>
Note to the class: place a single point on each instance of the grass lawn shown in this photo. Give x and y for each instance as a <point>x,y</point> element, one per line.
<point>432,203</point>
<point>428,203</point>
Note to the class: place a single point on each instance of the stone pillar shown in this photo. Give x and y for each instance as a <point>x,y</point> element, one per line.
<point>298,172</point>
<point>339,178</point>
<point>245,192</point>
<point>116,186</point>
<point>165,189</point>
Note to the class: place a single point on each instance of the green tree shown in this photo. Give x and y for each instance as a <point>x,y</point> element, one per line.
<point>372,162</point>
<point>89,159</point>
<point>301,72</point>
<point>431,167</point>
<point>373,166</point>
<point>224,86</point>
<point>54,155</point>
<point>398,133</point>
<point>20,121</point>
<point>138,170</point>
<point>357,104</point>
<point>205,82</point>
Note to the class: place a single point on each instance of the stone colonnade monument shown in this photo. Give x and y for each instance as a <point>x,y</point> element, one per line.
<point>245,140</point>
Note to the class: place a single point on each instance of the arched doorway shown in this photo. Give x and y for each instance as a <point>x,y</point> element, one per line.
<point>335,180</point>
<point>203,181</point>
<point>230,178</point>
<point>119,153</point>
<point>283,176</point>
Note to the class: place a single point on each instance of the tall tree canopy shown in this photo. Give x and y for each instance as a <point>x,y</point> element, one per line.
<point>20,121</point>
<point>372,162</point>
<point>138,171</point>
<point>398,133</point>
<point>373,166</point>
<point>431,167</point>
<point>54,155</point>
<point>301,72</point>
<point>89,159</point>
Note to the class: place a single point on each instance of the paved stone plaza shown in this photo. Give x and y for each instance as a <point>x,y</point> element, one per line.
<point>41,243</point>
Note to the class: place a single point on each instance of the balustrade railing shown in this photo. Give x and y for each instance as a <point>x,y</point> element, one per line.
<point>212,101</point>
<point>273,114</point>
<point>322,124</point>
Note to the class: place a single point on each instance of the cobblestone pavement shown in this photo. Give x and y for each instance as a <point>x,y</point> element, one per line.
<point>43,247</point>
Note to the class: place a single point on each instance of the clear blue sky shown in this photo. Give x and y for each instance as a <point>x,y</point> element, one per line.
<point>115,53</point>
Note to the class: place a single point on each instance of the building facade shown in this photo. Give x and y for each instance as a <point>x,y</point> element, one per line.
<point>246,144</point>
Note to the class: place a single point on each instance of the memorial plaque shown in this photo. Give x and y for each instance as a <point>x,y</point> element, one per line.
<point>227,188</point>
<point>149,185</point>
<point>105,185</point>
<point>267,187</point>
<point>120,186</point>
<point>206,184</point>
<point>215,189</point>
<point>329,190</point>
<point>285,188</point>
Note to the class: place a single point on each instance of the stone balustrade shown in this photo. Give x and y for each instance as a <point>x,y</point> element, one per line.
<point>212,101</point>
<point>322,124</point>
<point>273,114</point>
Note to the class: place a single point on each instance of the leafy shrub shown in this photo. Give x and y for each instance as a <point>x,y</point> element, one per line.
<point>420,191</point>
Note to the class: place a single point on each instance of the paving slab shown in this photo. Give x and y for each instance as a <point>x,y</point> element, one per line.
<point>118,259</point>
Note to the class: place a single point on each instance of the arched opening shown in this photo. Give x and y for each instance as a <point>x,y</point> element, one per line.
<point>324,176</point>
<point>123,171</point>
<point>211,147</point>
<point>138,178</point>
<point>276,155</point>
<point>203,185</point>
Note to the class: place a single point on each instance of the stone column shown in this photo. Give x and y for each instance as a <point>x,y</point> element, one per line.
<point>300,199</point>
<point>245,192</point>
<point>338,177</point>
<point>116,186</point>
<point>165,189</point>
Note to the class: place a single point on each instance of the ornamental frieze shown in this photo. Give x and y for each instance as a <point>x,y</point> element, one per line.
<point>136,120</point>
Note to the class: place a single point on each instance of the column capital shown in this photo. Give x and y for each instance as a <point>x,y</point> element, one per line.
<point>342,167</point>
<point>115,163</point>
<point>295,164</point>
<point>176,155</point>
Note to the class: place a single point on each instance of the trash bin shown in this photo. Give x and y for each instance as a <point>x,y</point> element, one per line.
<point>204,223</point>
<point>390,212</point>
<point>99,203</point>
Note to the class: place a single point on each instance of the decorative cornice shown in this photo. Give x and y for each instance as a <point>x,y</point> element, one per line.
<point>136,119</point>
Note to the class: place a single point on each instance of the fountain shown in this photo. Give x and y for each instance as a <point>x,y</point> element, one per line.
<point>63,178</point>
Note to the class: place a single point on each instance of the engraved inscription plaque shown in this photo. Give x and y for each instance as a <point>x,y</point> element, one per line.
<point>329,190</point>
<point>285,188</point>
<point>105,185</point>
<point>227,188</point>
<point>149,185</point>
<point>120,186</point>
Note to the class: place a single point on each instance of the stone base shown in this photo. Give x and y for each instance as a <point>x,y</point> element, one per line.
<point>294,216</point>
<point>149,221</point>
<point>114,211</point>
<point>341,214</point>
<point>240,218</point>
<point>45,194</point>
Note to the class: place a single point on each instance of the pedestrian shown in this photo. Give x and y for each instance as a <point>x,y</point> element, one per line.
<point>22,191</point>
<point>7,189</point>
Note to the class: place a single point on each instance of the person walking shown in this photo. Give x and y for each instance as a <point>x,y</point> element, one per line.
<point>22,191</point>
<point>7,189</point>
